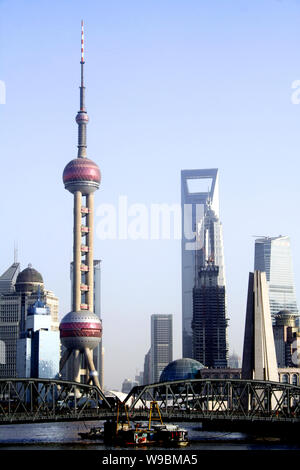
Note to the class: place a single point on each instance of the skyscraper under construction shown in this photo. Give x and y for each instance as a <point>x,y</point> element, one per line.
<point>202,238</point>
<point>209,319</point>
<point>209,323</point>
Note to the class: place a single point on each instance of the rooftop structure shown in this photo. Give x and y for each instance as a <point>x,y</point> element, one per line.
<point>8,278</point>
<point>181,369</point>
<point>29,280</point>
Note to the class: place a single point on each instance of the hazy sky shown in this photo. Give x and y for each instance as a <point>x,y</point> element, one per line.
<point>171,85</point>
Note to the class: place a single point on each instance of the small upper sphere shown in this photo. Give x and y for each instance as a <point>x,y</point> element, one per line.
<point>82,117</point>
<point>82,174</point>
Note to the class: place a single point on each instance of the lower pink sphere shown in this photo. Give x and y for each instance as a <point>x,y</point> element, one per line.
<point>80,330</point>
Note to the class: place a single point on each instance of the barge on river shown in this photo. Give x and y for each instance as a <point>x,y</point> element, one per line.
<point>124,433</point>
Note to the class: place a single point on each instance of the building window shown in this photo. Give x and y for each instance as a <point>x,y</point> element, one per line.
<point>294,379</point>
<point>285,378</point>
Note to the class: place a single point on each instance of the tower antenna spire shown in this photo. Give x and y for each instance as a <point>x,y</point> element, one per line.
<point>15,252</point>
<point>82,118</point>
<point>82,43</point>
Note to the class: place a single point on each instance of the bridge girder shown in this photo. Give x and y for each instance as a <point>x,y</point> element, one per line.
<point>31,399</point>
<point>230,398</point>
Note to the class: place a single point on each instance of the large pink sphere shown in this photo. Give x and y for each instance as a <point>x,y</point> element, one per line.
<point>81,174</point>
<point>80,330</point>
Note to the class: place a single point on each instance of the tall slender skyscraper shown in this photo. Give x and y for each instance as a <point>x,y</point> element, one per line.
<point>81,329</point>
<point>202,242</point>
<point>273,256</point>
<point>161,344</point>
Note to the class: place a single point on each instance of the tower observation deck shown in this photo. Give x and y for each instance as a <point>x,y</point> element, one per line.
<point>81,329</point>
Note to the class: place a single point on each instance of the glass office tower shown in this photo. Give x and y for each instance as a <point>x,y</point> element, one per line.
<point>273,256</point>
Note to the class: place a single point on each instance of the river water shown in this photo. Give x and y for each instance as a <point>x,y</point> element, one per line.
<point>64,436</point>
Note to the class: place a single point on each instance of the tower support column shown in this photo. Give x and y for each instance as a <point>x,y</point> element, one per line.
<point>76,365</point>
<point>91,367</point>
<point>90,257</point>
<point>77,251</point>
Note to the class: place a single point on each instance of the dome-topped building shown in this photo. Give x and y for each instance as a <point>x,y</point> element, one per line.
<point>181,369</point>
<point>285,318</point>
<point>29,280</point>
<point>24,301</point>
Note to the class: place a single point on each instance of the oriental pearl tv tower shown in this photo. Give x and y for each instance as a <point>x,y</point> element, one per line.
<point>81,329</point>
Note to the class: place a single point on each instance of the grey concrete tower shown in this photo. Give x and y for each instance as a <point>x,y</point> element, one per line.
<point>259,356</point>
<point>81,329</point>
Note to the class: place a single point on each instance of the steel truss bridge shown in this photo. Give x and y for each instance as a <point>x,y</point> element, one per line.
<point>202,400</point>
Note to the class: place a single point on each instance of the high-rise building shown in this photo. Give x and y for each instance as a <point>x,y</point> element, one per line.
<point>38,348</point>
<point>128,385</point>
<point>273,256</point>
<point>22,291</point>
<point>147,369</point>
<point>139,378</point>
<point>98,350</point>
<point>202,240</point>
<point>81,329</point>
<point>161,344</point>
<point>234,361</point>
<point>209,324</point>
